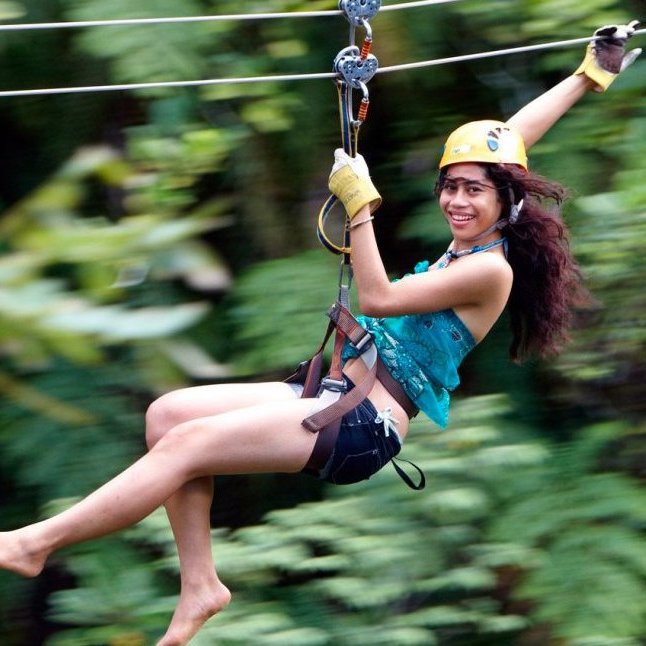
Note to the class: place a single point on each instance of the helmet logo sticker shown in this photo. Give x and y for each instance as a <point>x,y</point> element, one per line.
<point>461,150</point>
<point>495,138</point>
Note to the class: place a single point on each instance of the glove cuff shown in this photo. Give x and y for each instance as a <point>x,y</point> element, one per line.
<point>355,192</point>
<point>591,69</point>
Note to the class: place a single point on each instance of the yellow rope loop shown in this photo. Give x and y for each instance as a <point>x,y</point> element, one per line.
<point>323,236</point>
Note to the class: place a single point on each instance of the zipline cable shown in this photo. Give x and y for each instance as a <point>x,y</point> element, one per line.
<point>491,54</point>
<point>166,84</point>
<point>192,19</point>
<point>294,77</point>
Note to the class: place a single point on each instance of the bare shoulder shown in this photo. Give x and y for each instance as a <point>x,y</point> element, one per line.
<point>491,278</point>
<point>490,268</point>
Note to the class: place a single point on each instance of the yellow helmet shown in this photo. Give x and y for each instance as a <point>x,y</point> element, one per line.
<point>484,141</point>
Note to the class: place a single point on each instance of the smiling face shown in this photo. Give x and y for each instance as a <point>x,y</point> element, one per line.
<point>470,203</point>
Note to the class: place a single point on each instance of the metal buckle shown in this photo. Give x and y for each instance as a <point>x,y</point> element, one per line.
<point>364,342</point>
<point>335,385</point>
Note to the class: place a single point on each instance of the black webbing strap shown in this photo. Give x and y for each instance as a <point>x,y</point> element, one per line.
<point>323,447</point>
<point>406,478</point>
<point>395,389</point>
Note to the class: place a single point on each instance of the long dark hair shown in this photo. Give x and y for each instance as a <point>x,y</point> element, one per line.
<point>548,286</point>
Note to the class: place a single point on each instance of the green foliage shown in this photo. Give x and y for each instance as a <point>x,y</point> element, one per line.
<point>64,282</point>
<point>278,311</point>
<point>607,229</point>
<point>87,448</point>
<point>71,428</point>
<point>10,10</point>
<point>585,531</point>
<point>156,53</point>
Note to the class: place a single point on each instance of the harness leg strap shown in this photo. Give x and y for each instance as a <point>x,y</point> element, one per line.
<point>323,447</point>
<point>344,404</point>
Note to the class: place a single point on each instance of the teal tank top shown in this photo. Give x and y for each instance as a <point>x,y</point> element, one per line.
<point>423,353</point>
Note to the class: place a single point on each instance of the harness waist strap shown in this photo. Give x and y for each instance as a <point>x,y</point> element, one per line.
<point>395,389</point>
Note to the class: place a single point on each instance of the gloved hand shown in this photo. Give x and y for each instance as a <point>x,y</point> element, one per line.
<point>350,182</point>
<point>606,56</point>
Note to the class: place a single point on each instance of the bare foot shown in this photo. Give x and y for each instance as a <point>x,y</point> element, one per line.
<point>194,609</point>
<point>16,555</point>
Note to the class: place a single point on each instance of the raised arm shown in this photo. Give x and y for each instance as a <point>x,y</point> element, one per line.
<point>605,59</point>
<point>538,116</point>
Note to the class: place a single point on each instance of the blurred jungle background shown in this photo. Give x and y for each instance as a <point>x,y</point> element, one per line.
<point>161,238</point>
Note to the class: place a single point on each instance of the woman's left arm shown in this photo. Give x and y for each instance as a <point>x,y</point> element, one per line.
<point>605,58</point>
<point>537,117</point>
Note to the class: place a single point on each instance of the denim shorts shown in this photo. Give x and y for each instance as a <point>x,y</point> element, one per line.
<point>365,444</point>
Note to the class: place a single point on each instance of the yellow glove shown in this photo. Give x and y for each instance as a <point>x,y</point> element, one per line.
<point>606,56</point>
<point>350,182</point>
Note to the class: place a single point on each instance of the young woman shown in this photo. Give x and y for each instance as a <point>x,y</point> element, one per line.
<point>505,247</point>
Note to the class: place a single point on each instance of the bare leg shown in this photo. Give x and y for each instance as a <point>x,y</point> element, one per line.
<point>264,438</point>
<point>202,593</point>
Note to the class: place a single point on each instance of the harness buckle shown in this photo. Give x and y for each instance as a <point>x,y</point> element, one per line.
<point>335,385</point>
<point>364,342</point>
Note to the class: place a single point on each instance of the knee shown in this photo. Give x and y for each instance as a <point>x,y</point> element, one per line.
<point>182,447</point>
<point>162,415</point>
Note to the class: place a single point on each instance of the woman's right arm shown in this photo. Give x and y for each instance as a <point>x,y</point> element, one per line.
<point>473,283</point>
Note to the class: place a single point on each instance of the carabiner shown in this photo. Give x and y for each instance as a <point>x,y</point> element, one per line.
<point>353,68</point>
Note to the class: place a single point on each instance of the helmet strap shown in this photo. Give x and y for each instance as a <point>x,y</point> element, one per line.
<point>514,212</point>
